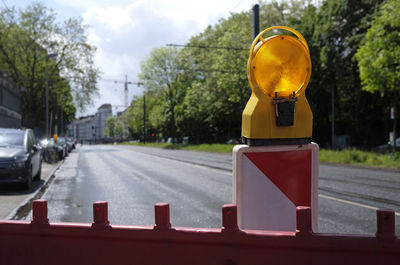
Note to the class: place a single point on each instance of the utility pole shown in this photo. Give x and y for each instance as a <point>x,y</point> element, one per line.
<point>47,99</point>
<point>256,21</point>
<point>393,116</point>
<point>62,123</point>
<point>51,121</point>
<point>144,118</point>
<point>48,56</point>
<point>126,91</point>
<point>333,116</point>
<point>63,99</point>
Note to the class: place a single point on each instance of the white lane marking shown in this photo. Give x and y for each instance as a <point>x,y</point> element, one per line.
<point>352,203</point>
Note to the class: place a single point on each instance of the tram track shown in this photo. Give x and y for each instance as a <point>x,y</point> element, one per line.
<point>355,195</point>
<point>363,183</point>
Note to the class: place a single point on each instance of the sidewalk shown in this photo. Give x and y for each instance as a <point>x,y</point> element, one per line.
<point>12,197</point>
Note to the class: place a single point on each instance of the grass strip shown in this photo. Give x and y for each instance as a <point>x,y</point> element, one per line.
<point>358,157</point>
<point>347,156</point>
<point>218,148</point>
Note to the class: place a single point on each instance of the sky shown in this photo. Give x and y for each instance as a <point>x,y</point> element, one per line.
<point>125,32</point>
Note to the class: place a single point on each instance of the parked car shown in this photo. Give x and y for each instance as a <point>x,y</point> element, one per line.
<point>171,140</point>
<point>20,157</point>
<point>61,153</point>
<point>72,141</point>
<point>386,148</point>
<point>43,146</point>
<point>63,143</point>
<point>50,151</point>
<point>59,147</point>
<point>68,141</point>
<point>233,141</point>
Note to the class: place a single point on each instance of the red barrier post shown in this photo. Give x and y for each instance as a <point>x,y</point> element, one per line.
<point>161,214</point>
<point>229,218</point>
<point>100,214</point>
<point>77,243</point>
<point>385,222</point>
<point>303,221</point>
<point>39,212</point>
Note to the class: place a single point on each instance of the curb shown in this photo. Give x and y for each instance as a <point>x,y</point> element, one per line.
<point>20,212</point>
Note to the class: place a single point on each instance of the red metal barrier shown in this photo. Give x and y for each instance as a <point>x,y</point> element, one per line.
<point>43,242</point>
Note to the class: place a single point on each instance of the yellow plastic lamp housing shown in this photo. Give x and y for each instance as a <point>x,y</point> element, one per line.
<point>279,70</point>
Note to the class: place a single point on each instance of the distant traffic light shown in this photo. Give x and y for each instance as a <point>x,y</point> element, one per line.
<point>278,69</point>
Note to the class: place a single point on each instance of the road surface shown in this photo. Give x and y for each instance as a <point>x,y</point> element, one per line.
<point>196,184</point>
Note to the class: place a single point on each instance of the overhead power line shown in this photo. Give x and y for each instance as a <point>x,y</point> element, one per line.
<point>218,71</point>
<point>208,47</point>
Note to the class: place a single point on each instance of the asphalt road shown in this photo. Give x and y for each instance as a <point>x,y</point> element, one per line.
<point>196,184</point>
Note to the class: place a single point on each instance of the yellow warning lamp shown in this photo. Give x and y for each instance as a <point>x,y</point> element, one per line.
<point>278,70</point>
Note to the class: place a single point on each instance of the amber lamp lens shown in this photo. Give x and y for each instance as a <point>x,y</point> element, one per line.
<point>282,65</point>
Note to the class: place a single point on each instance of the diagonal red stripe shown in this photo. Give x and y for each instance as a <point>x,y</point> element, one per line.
<point>290,171</point>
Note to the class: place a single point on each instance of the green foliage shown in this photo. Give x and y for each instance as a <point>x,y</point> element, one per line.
<point>119,128</point>
<point>110,130</point>
<point>379,56</point>
<point>160,75</point>
<point>218,148</point>
<point>154,118</point>
<point>201,89</point>
<point>357,157</point>
<point>26,37</point>
<point>338,28</point>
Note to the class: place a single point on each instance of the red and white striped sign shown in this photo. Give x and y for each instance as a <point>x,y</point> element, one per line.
<point>269,182</point>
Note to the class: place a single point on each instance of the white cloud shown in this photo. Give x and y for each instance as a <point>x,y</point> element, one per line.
<point>123,43</point>
<point>115,18</point>
<point>125,32</point>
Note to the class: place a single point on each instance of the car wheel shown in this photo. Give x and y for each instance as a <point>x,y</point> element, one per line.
<point>39,174</point>
<point>28,179</point>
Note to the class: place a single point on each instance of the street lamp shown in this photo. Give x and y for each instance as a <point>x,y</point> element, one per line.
<point>63,99</point>
<point>52,55</point>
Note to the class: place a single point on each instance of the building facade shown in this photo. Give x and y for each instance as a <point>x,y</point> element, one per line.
<point>91,129</point>
<point>10,103</point>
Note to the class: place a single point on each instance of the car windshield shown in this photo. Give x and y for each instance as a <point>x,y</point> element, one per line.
<point>11,139</point>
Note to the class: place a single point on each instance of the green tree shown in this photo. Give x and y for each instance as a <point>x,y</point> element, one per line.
<point>334,32</point>
<point>209,81</point>
<point>160,73</point>
<point>26,37</point>
<point>379,55</point>
<point>215,80</point>
<point>110,130</point>
<point>154,118</point>
<point>203,87</point>
<point>119,128</point>
<point>219,90</point>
